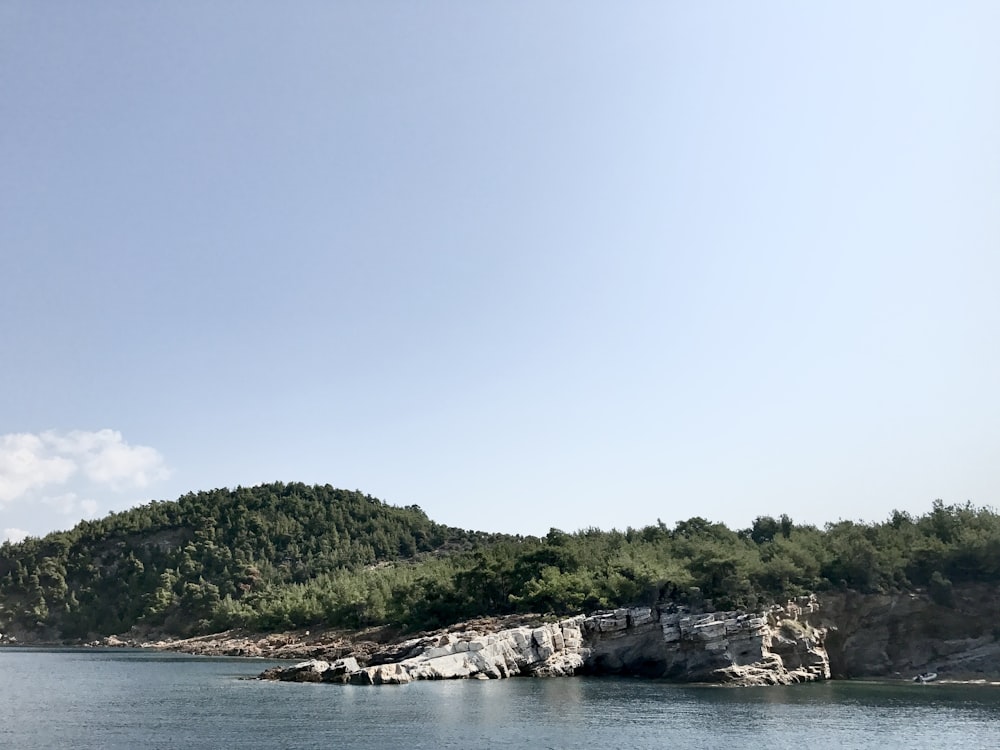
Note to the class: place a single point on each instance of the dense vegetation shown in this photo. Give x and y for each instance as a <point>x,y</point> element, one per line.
<point>183,565</point>
<point>281,556</point>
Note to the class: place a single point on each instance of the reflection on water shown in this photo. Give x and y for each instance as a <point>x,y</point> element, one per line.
<point>121,699</point>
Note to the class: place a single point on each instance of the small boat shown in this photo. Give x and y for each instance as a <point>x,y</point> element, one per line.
<point>925,677</point>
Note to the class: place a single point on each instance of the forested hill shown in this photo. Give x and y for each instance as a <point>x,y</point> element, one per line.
<point>183,565</point>
<point>287,555</point>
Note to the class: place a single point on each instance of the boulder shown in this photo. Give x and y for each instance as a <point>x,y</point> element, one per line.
<point>311,670</point>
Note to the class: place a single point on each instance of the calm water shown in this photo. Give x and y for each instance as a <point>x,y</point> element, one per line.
<point>143,701</point>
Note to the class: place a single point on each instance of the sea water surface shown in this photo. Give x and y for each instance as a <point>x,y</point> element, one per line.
<point>141,700</point>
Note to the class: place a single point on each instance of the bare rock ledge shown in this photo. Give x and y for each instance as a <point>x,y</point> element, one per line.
<point>775,647</point>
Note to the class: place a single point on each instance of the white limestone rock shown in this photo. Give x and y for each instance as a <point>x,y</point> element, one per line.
<point>773,647</point>
<point>543,646</point>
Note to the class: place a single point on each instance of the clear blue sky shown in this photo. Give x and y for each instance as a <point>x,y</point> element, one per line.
<point>523,264</point>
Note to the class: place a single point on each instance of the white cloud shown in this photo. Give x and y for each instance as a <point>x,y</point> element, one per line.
<point>29,462</point>
<point>64,503</point>
<point>107,459</point>
<point>26,463</point>
<point>15,535</point>
<point>70,504</point>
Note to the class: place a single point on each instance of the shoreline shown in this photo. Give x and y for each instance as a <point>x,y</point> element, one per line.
<point>378,642</point>
<point>283,646</point>
<point>779,645</point>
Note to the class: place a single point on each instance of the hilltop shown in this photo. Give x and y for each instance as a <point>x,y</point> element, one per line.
<point>209,560</point>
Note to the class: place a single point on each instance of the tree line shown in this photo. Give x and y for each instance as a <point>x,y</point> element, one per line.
<point>281,556</point>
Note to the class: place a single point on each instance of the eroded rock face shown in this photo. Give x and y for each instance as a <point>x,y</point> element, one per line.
<point>906,634</point>
<point>774,647</point>
<point>779,646</point>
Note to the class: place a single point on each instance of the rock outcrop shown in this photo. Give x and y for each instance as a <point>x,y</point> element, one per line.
<point>909,633</point>
<point>778,646</point>
<point>547,650</point>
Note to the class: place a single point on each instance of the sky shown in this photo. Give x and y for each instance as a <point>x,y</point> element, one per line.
<point>524,264</point>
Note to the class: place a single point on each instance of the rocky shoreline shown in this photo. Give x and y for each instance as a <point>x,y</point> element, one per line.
<point>842,635</point>
<point>775,647</point>
<point>371,645</point>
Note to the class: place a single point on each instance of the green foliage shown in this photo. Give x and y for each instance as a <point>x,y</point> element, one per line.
<point>282,556</point>
<point>941,589</point>
<point>208,558</point>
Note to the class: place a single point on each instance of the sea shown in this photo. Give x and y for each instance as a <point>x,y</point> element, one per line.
<point>141,700</point>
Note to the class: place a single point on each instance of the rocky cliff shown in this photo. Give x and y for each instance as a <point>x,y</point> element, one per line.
<point>778,646</point>
<point>905,634</point>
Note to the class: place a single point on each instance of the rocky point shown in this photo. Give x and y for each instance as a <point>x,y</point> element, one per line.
<point>778,646</point>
